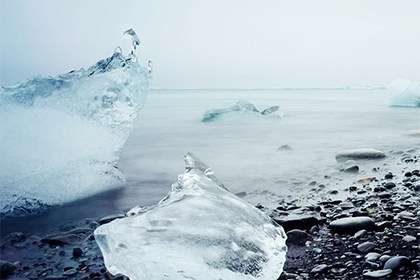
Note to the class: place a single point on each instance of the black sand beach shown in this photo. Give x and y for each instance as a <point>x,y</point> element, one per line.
<point>372,234</point>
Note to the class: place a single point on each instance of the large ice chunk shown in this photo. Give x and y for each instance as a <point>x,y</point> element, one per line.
<point>199,231</point>
<point>240,108</point>
<point>61,136</point>
<point>404,93</point>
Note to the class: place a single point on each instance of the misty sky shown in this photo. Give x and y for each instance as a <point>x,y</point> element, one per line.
<point>219,43</point>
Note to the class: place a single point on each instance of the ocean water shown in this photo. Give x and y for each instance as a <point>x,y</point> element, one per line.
<point>242,150</point>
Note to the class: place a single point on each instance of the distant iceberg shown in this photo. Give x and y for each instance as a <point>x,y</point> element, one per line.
<point>240,108</point>
<point>404,93</point>
<point>199,231</point>
<point>61,136</point>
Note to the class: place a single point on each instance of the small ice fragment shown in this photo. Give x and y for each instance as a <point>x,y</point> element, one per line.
<point>404,93</point>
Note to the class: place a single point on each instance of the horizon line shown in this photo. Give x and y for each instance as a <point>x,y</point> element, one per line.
<point>283,88</point>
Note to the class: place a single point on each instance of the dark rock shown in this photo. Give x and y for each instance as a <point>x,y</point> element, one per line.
<point>351,169</point>
<point>384,195</point>
<point>58,240</point>
<point>110,218</point>
<point>306,222</point>
<point>77,252</point>
<point>70,272</point>
<point>79,230</point>
<point>366,247</point>
<point>389,176</point>
<point>319,268</point>
<point>352,225</point>
<point>370,265</point>
<point>359,154</point>
<point>377,274</point>
<point>353,188</point>
<point>285,148</point>
<point>396,263</point>
<point>15,237</point>
<point>6,269</point>
<point>296,237</point>
<point>55,277</point>
<point>389,185</point>
<point>241,194</point>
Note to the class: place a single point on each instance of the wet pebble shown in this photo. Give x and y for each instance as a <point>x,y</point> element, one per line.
<point>366,247</point>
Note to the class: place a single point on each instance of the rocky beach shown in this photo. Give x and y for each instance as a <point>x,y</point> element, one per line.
<point>371,231</point>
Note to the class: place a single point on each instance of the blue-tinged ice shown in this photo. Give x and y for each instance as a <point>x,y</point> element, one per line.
<point>241,108</point>
<point>404,93</point>
<point>61,136</point>
<point>198,231</point>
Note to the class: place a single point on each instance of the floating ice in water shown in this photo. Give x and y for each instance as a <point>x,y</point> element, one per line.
<point>240,108</point>
<point>199,231</point>
<point>61,136</point>
<point>404,93</point>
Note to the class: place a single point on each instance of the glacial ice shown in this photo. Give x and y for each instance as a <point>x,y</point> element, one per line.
<point>240,108</point>
<point>198,231</point>
<point>404,93</point>
<point>61,136</point>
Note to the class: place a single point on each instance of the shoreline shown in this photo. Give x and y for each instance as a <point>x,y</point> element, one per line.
<point>314,251</point>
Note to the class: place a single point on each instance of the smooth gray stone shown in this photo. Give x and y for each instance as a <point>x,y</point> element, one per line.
<point>352,225</point>
<point>377,273</point>
<point>351,169</point>
<point>366,247</point>
<point>396,263</point>
<point>319,268</point>
<point>297,237</point>
<point>359,154</point>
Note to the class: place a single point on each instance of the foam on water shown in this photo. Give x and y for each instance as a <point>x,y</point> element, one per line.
<point>61,136</point>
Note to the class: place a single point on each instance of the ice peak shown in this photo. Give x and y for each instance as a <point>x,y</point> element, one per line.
<point>194,164</point>
<point>131,34</point>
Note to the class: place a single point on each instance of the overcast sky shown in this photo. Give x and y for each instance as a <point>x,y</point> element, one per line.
<point>219,43</point>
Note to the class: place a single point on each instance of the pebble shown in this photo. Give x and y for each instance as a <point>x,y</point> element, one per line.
<point>377,273</point>
<point>296,237</point>
<point>409,238</point>
<point>6,269</point>
<point>371,257</point>
<point>352,225</point>
<point>366,247</point>
<point>77,252</point>
<point>70,272</point>
<point>389,185</point>
<point>319,268</point>
<point>396,263</point>
<point>54,240</point>
<point>360,233</point>
<point>351,169</point>
<point>359,154</point>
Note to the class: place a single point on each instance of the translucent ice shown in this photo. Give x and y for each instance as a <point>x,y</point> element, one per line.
<point>61,136</point>
<point>404,93</point>
<point>240,108</point>
<point>198,231</point>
